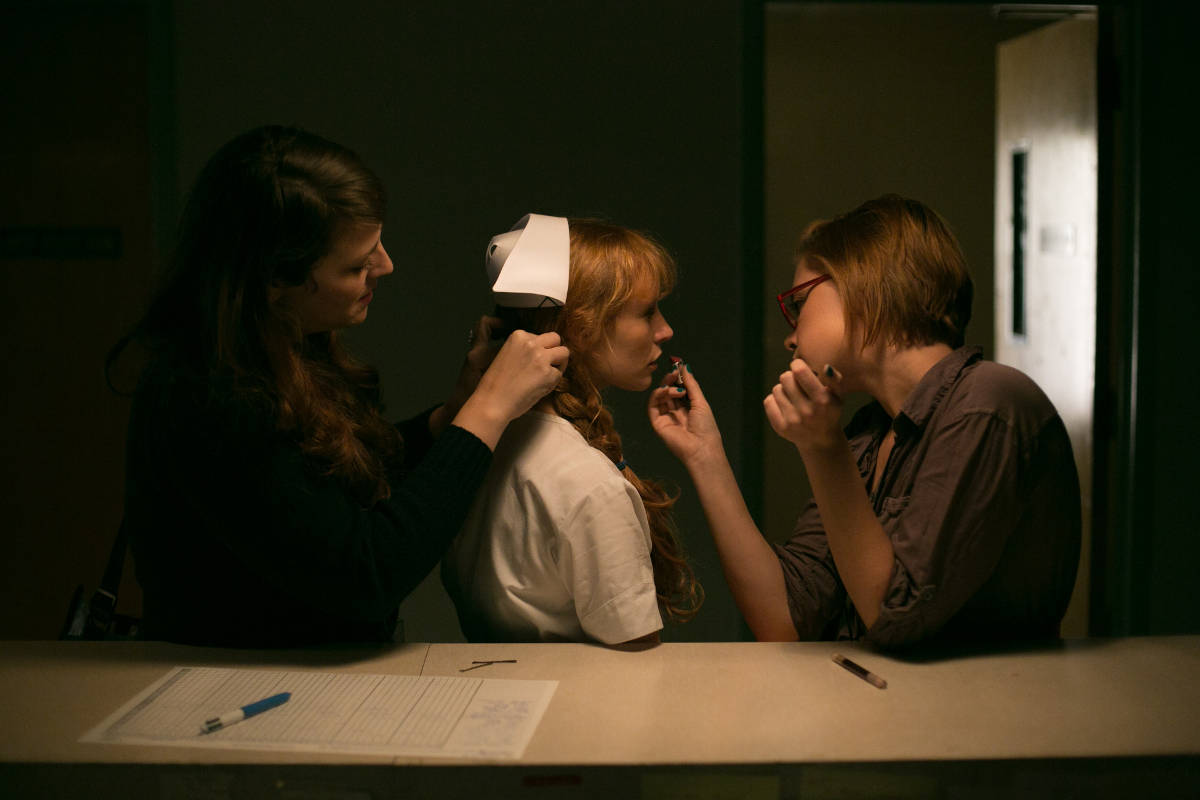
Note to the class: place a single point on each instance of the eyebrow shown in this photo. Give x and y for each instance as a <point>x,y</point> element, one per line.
<point>370,252</point>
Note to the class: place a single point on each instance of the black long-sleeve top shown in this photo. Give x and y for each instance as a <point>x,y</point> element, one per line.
<point>239,540</point>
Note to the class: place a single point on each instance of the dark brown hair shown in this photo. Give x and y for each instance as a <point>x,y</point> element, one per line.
<point>264,209</point>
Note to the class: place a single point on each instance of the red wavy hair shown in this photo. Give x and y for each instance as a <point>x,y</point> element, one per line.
<point>608,264</point>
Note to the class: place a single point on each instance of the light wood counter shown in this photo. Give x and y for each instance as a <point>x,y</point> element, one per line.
<point>1126,710</point>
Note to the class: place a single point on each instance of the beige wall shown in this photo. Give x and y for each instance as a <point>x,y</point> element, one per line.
<point>864,99</point>
<point>475,113</point>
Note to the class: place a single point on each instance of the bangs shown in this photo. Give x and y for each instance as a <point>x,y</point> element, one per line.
<point>608,266</point>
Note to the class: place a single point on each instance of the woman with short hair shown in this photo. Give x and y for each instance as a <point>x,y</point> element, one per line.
<point>948,509</point>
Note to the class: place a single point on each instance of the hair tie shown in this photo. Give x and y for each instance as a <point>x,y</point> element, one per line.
<point>621,464</point>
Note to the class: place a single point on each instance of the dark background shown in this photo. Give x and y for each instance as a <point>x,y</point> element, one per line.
<point>474,113</point>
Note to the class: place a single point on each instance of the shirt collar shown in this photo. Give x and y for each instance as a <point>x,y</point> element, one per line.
<point>924,399</point>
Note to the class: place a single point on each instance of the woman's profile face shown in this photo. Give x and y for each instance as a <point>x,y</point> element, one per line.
<point>820,333</point>
<point>341,284</point>
<point>628,354</point>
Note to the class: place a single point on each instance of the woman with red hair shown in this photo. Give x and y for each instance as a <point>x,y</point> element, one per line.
<point>565,541</point>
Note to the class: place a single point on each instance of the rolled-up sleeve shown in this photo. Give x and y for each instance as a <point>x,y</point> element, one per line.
<point>979,499</point>
<point>815,593</point>
<point>949,533</point>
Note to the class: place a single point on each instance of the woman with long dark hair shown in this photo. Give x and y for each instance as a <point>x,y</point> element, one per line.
<point>268,500</point>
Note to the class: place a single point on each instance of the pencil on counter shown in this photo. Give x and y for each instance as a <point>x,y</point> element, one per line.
<point>862,672</point>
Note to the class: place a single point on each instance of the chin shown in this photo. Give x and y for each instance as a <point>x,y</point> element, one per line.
<point>641,385</point>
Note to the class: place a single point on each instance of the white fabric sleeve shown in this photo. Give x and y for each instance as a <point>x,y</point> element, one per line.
<point>605,559</point>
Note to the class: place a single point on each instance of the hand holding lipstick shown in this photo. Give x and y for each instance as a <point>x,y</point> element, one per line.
<point>681,416</point>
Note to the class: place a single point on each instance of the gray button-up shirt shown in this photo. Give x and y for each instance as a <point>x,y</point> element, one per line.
<point>980,498</point>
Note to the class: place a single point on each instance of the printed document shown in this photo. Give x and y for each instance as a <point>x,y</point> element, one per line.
<point>398,715</point>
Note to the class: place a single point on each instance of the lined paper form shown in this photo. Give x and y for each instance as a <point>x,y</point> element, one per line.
<point>400,715</point>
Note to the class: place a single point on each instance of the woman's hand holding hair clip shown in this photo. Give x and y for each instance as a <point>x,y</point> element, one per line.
<point>682,418</point>
<point>524,371</point>
<point>482,344</point>
<point>480,352</point>
<point>805,407</point>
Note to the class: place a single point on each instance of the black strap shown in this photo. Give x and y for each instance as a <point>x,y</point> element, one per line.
<point>104,600</point>
<point>111,582</point>
<point>96,618</point>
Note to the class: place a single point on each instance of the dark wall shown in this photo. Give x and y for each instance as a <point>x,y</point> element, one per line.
<point>476,113</point>
<point>75,258</point>
<point>1148,542</point>
<point>1171,271</point>
<point>473,113</point>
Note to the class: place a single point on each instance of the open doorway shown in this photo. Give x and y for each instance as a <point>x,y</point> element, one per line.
<point>1046,206</point>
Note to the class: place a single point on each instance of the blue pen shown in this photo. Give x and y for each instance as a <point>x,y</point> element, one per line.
<point>245,712</point>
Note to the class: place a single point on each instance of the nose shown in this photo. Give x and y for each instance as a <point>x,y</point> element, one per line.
<point>663,332</point>
<point>790,341</point>
<point>383,265</point>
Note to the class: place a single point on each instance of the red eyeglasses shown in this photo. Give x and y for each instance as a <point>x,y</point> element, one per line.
<point>791,301</point>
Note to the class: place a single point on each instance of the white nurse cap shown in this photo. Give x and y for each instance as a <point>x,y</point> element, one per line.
<point>529,265</point>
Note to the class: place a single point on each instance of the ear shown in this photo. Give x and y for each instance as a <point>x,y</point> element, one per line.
<point>275,293</point>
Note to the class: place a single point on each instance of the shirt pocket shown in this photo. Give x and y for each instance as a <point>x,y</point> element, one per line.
<point>906,587</point>
<point>906,542</point>
<point>891,508</point>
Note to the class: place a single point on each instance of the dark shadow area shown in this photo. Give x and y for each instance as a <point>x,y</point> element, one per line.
<point>934,652</point>
<point>1175,777</point>
<point>169,654</point>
